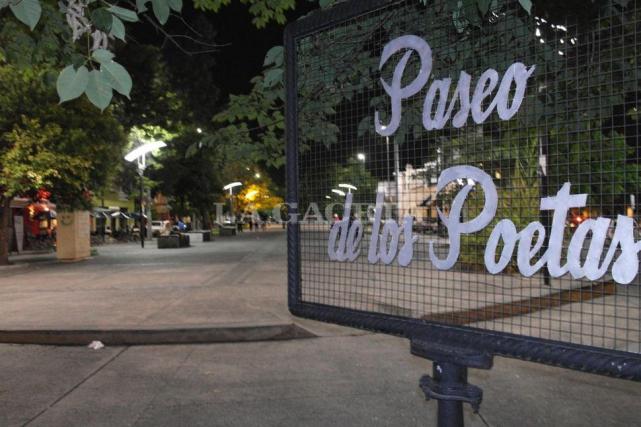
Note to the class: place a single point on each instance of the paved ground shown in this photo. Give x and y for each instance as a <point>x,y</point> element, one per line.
<point>232,289</point>
<point>369,380</point>
<point>231,282</point>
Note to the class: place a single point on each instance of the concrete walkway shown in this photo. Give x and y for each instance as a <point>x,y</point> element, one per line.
<point>369,380</point>
<point>232,289</point>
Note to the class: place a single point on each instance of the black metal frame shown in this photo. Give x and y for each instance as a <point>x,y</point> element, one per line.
<point>573,356</point>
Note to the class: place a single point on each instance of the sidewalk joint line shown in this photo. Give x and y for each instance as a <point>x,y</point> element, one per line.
<point>72,389</point>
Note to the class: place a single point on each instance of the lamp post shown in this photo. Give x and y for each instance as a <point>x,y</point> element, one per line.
<point>231,187</point>
<point>396,167</point>
<point>139,155</point>
<point>349,187</point>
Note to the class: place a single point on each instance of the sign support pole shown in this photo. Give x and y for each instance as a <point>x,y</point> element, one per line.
<point>449,384</point>
<point>142,209</point>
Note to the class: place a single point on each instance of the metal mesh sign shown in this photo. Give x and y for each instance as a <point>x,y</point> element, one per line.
<point>469,171</point>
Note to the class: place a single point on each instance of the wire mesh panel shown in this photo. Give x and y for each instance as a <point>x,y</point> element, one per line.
<point>470,168</point>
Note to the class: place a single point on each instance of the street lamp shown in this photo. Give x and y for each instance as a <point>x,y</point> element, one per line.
<point>339,192</point>
<point>361,157</point>
<point>139,155</point>
<point>349,187</point>
<point>231,187</point>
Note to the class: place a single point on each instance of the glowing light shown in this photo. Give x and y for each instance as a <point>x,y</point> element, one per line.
<point>349,187</point>
<point>144,149</point>
<point>251,195</point>
<point>232,185</point>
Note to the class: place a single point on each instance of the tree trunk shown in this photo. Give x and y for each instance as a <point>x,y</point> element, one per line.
<point>5,214</point>
<point>206,219</point>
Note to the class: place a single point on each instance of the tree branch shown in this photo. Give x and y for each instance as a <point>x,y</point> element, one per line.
<point>172,37</point>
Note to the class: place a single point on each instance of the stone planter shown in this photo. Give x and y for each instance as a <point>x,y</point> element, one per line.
<point>228,231</point>
<point>173,241</point>
<point>73,237</point>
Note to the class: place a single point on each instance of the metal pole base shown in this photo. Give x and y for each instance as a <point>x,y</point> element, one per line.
<point>449,384</point>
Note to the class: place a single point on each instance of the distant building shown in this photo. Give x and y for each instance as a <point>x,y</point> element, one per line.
<point>414,193</point>
<point>112,213</point>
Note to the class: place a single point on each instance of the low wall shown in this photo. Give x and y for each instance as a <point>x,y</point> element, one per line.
<point>199,236</point>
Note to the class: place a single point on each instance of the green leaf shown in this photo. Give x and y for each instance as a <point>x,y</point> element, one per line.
<point>484,6</point>
<point>27,12</point>
<point>124,14</point>
<point>176,5</point>
<point>527,5</point>
<point>274,56</point>
<point>77,60</point>
<point>99,90</point>
<point>140,5</point>
<point>102,55</point>
<point>161,10</point>
<point>72,83</point>
<point>272,77</point>
<point>365,126</point>
<point>117,76</point>
<point>192,150</point>
<point>117,29</point>
<point>101,18</point>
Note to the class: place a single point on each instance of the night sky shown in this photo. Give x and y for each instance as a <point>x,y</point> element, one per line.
<point>243,59</point>
<point>237,63</point>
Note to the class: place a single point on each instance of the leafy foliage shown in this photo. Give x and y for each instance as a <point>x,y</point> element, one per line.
<point>263,11</point>
<point>256,196</point>
<point>30,163</point>
<point>93,27</point>
<point>48,45</point>
<point>75,144</point>
<point>194,182</point>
